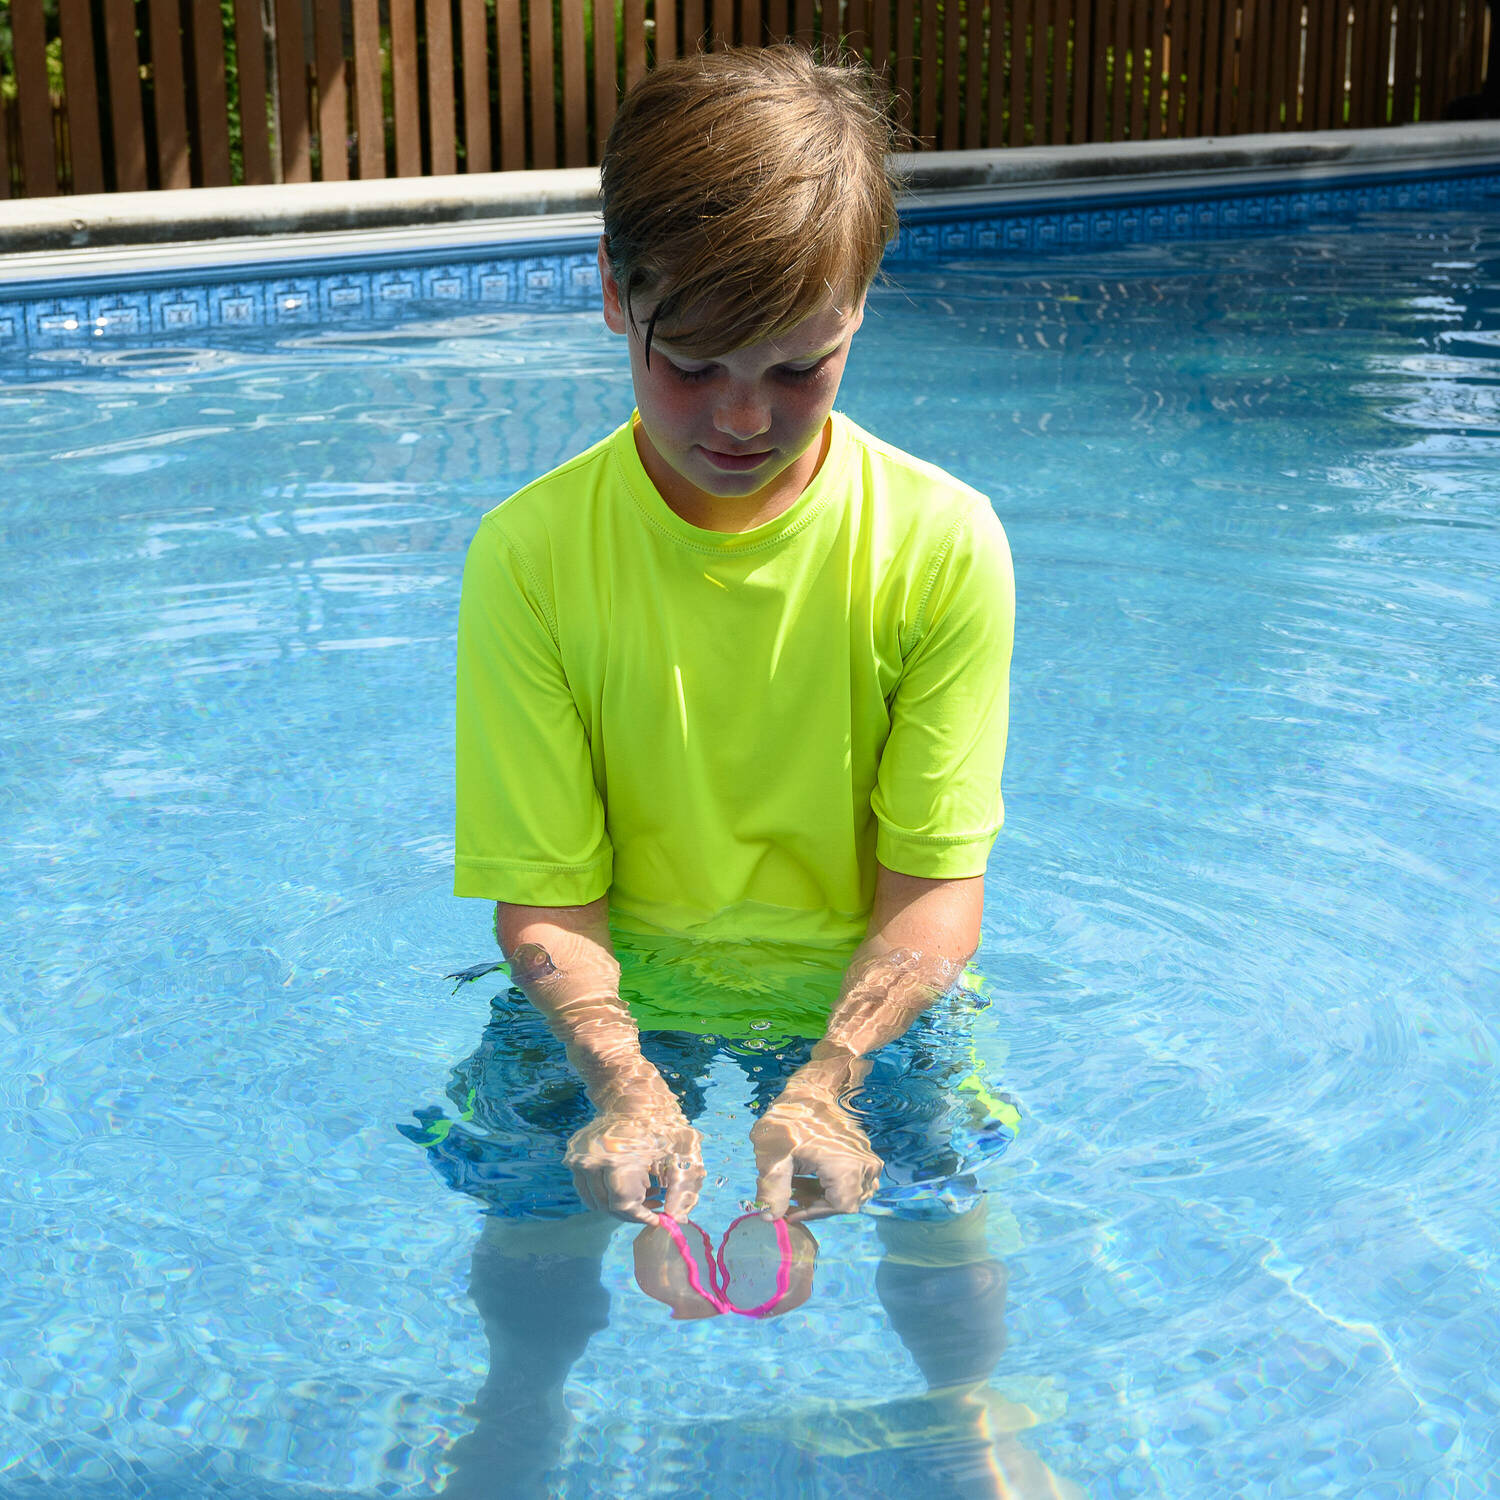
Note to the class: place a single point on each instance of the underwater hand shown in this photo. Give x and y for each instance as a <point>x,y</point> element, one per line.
<point>808,1133</point>
<point>630,1141</point>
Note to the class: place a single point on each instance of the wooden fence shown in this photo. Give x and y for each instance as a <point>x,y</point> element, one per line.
<point>119,95</point>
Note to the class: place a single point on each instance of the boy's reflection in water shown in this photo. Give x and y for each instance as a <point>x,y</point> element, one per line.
<point>536,1279</point>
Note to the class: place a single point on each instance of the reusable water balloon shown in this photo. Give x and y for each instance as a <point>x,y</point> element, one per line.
<point>716,1294</point>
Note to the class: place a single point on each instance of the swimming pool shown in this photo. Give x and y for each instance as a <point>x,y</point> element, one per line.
<point>1240,936</point>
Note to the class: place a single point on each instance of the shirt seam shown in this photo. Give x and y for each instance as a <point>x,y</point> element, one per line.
<point>549,617</point>
<point>479,862</point>
<point>919,624</point>
<point>938,838</point>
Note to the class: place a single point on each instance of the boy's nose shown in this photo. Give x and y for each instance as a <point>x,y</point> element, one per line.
<point>742,416</point>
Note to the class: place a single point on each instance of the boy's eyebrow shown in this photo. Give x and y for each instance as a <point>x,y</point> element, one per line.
<point>670,349</point>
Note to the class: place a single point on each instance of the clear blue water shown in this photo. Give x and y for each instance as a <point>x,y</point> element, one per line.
<point>1241,928</point>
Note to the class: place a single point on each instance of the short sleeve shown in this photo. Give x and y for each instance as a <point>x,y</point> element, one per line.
<point>530,821</point>
<point>937,797</point>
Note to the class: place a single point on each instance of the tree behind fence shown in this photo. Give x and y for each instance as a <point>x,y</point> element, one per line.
<point>119,95</point>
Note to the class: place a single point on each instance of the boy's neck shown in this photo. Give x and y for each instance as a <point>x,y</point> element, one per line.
<point>732,513</point>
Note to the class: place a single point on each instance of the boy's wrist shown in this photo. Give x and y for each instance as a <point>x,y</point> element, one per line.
<point>831,1071</point>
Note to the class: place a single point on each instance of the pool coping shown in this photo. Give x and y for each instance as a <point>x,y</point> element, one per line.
<point>112,236</point>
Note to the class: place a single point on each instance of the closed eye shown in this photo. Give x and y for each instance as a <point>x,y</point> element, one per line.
<point>689,376</point>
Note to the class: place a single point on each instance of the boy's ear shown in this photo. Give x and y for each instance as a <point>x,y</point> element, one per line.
<point>614,311</point>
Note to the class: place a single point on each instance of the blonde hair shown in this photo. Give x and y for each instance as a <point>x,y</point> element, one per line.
<point>743,190</point>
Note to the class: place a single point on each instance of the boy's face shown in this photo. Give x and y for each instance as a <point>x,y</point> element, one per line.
<point>741,429</point>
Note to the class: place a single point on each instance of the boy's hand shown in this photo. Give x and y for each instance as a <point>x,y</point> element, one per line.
<point>630,1141</point>
<point>808,1133</point>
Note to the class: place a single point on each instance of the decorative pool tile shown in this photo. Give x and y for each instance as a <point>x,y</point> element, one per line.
<point>557,276</point>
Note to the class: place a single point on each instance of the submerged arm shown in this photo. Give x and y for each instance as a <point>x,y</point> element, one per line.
<point>922,932</point>
<point>562,960</point>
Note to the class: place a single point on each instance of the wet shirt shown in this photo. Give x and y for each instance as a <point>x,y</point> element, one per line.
<point>725,731</point>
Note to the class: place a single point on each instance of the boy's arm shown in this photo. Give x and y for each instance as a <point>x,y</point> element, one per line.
<point>562,960</point>
<point>922,932</point>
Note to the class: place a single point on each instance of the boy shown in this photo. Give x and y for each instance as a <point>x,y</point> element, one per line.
<point>735,675</point>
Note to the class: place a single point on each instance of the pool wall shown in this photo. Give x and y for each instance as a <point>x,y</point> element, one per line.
<point>77,270</point>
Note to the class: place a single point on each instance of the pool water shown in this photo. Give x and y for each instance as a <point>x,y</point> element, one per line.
<point>1240,937</point>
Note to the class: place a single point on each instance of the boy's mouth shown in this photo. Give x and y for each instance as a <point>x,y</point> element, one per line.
<point>735,463</point>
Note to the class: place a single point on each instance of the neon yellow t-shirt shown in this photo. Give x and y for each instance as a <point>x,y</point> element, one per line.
<point>725,731</point>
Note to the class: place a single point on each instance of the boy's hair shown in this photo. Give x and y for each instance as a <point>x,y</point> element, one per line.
<point>745,189</point>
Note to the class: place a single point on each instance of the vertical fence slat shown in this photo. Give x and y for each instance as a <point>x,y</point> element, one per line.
<point>1156,78</point>
<point>575,100</point>
<point>1140,44</point>
<point>1341,49</point>
<point>994,74</point>
<point>1192,91</point>
<point>902,44</point>
<point>1479,22</point>
<point>1330,70</point>
<point>1119,46</point>
<point>776,20</point>
<point>369,88</point>
<point>1377,53</point>
<point>856,28</point>
<point>1038,58</point>
<point>543,106</point>
<point>1404,99</point>
<point>168,97</point>
<point>1082,29</point>
<point>634,19</point>
<point>1296,85</point>
<point>81,83</point>
<point>951,23</point>
<point>128,127</point>
<point>974,46</point>
<point>510,84</point>
<point>291,72</point>
<point>475,43</point>
<point>927,86</point>
<point>442,119</point>
<point>1277,19</point>
<point>1020,26</point>
<point>691,38</point>
<point>250,67</point>
<point>1062,26</point>
<point>1175,45</point>
<point>606,88</point>
<point>1425,66</point>
<point>1098,67</point>
<point>1208,77</point>
<point>721,24</point>
<point>880,31</point>
<point>1230,60</point>
<point>212,95</point>
<point>4,153</point>
<point>406,119</point>
<point>333,93</point>
<point>753,26</point>
<point>33,99</point>
<point>804,13</point>
<point>1255,67</point>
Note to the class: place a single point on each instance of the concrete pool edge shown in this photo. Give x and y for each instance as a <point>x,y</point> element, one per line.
<point>987,204</point>
<point>515,205</point>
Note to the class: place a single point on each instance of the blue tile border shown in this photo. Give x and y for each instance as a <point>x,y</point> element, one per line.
<point>559,275</point>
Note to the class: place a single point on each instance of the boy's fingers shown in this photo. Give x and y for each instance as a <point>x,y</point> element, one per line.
<point>626,1194</point>
<point>774,1189</point>
<point>681,1186</point>
<point>584,1187</point>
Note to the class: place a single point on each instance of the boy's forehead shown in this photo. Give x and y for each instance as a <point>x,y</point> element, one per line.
<point>816,335</point>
